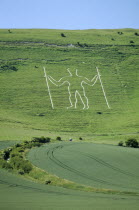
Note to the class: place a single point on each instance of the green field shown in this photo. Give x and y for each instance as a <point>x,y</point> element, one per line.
<point>97,165</point>
<point>19,193</point>
<point>26,111</point>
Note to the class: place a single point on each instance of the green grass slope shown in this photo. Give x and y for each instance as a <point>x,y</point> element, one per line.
<point>25,108</point>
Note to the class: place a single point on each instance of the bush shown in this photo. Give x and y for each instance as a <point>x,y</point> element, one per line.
<point>18,145</point>
<point>16,162</point>
<point>136,34</point>
<point>8,67</point>
<point>6,153</point>
<point>80,45</point>
<point>80,138</point>
<point>63,35</point>
<point>36,144</point>
<point>26,142</point>
<point>28,146</point>
<point>21,150</point>
<point>120,33</point>
<point>20,164</point>
<point>21,172</point>
<point>132,143</point>
<point>58,138</point>
<point>6,165</point>
<point>26,166</point>
<point>120,143</point>
<point>41,139</point>
<point>48,182</point>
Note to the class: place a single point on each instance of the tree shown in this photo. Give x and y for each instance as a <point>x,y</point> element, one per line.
<point>136,34</point>
<point>63,35</point>
<point>58,138</point>
<point>120,143</point>
<point>132,143</point>
<point>120,33</point>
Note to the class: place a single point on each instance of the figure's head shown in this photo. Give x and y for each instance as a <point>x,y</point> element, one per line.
<point>72,72</point>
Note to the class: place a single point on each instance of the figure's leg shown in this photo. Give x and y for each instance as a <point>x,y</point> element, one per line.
<point>84,99</point>
<point>71,99</point>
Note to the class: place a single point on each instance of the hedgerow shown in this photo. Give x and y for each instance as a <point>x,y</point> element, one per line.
<point>131,142</point>
<point>13,157</point>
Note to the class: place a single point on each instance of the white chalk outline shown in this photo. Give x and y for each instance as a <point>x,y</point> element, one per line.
<point>45,75</point>
<point>96,77</point>
<point>102,88</point>
<point>76,91</point>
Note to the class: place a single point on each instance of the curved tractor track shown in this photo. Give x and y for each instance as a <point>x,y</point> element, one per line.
<point>78,163</point>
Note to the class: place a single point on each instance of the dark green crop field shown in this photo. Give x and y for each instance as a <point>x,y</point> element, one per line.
<point>19,193</point>
<point>96,165</point>
<point>16,193</point>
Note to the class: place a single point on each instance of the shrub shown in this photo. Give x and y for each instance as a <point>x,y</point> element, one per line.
<point>26,142</point>
<point>21,150</point>
<point>20,164</point>
<point>15,153</point>
<point>26,166</point>
<point>86,45</point>
<point>80,45</point>
<point>28,146</point>
<point>132,143</point>
<point>9,31</point>
<point>48,182</point>
<point>99,112</point>
<point>80,138</point>
<point>136,34</point>
<point>58,138</point>
<point>6,165</point>
<point>120,143</point>
<point>120,33</point>
<point>6,153</point>
<point>63,35</point>
<point>18,145</point>
<point>21,172</point>
<point>8,67</point>
<point>16,162</point>
<point>36,144</point>
<point>41,139</point>
<point>131,41</point>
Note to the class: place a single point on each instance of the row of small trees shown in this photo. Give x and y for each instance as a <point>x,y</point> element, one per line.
<point>13,157</point>
<point>130,143</point>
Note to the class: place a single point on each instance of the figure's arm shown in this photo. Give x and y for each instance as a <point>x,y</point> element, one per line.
<point>57,83</point>
<point>91,82</point>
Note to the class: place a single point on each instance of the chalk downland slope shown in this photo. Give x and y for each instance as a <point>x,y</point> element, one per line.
<point>25,108</point>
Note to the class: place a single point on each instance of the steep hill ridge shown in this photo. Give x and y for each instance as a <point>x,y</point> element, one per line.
<point>26,108</point>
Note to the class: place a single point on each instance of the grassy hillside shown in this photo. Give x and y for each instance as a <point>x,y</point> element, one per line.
<point>25,108</point>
